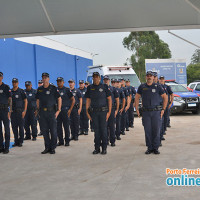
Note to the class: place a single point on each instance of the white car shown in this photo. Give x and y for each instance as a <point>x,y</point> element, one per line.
<point>195,87</point>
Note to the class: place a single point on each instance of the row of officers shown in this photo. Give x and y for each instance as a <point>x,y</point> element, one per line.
<point>110,110</point>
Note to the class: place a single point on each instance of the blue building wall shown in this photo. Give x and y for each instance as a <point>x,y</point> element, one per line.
<point>27,62</point>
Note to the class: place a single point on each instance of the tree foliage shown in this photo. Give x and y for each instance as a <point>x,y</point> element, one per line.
<point>196,57</point>
<point>145,45</point>
<point>193,72</point>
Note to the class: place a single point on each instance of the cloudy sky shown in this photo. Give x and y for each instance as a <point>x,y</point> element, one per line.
<point>110,50</point>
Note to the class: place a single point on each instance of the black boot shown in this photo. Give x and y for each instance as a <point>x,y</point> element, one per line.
<point>96,151</point>
<point>45,151</point>
<point>104,152</point>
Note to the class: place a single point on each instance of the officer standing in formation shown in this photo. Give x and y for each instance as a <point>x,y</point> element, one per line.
<point>127,106</point>
<point>19,109</point>
<point>114,111</point>
<point>130,112</point>
<point>152,112</point>
<point>47,97</point>
<point>5,113</point>
<point>63,119</point>
<point>98,99</point>
<point>84,121</point>
<point>170,96</point>
<point>30,119</point>
<point>122,102</point>
<point>76,111</point>
<point>40,83</point>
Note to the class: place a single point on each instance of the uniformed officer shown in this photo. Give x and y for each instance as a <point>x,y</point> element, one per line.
<point>114,111</point>
<point>152,111</point>
<point>40,83</point>
<point>63,119</point>
<point>19,109</point>
<point>170,95</point>
<point>122,102</point>
<point>47,96</point>
<point>130,112</point>
<point>30,119</point>
<point>84,121</point>
<point>75,114</point>
<point>127,106</point>
<point>86,84</point>
<point>113,82</point>
<point>5,105</point>
<point>98,99</point>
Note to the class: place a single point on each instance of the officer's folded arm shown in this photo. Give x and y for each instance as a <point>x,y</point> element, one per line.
<point>137,97</point>
<point>88,102</point>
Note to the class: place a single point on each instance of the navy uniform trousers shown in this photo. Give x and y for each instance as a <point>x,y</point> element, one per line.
<point>6,123</point>
<point>17,123</point>
<point>63,120</point>
<point>152,123</point>
<point>84,122</point>
<point>74,122</point>
<point>111,127</point>
<point>48,127</point>
<point>100,129</point>
<point>30,120</point>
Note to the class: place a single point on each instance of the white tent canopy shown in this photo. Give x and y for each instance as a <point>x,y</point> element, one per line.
<point>47,17</point>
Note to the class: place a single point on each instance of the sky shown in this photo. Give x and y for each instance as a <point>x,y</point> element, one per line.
<point>111,51</point>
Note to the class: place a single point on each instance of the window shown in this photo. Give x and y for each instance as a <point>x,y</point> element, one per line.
<point>192,86</point>
<point>198,87</point>
<point>178,88</point>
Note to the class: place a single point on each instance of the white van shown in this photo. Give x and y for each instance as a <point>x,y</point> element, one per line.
<point>114,72</point>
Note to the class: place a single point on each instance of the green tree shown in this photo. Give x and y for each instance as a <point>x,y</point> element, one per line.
<point>145,45</point>
<point>193,72</point>
<point>196,57</point>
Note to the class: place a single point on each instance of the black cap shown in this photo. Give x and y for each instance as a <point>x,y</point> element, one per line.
<point>127,80</point>
<point>161,77</point>
<point>149,73</point>
<point>1,74</point>
<point>118,80</point>
<point>155,74</point>
<point>113,80</point>
<point>86,82</point>
<point>40,82</point>
<point>15,80</point>
<point>96,73</point>
<point>122,79</point>
<point>28,83</point>
<point>60,79</point>
<point>81,81</point>
<point>45,74</point>
<point>106,77</point>
<point>71,80</point>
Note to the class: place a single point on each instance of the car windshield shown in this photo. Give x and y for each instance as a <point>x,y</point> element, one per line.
<point>132,77</point>
<point>178,88</point>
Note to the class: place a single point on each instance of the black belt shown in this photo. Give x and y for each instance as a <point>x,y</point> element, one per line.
<point>18,109</point>
<point>158,108</point>
<point>76,106</point>
<point>3,106</point>
<point>65,108</point>
<point>49,109</point>
<point>101,109</point>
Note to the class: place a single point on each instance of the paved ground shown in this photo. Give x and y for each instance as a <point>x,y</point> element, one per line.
<point>124,173</point>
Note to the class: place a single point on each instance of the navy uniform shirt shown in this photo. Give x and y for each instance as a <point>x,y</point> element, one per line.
<point>121,95</point>
<point>150,94</point>
<point>77,95</point>
<point>18,97</point>
<point>114,94</point>
<point>83,91</point>
<point>5,93</point>
<point>132,91</point>
<point>66,96</point>
<point>31,98</point>
<point>47,96</point>
<point>98,95</point>
<point>168,91</point>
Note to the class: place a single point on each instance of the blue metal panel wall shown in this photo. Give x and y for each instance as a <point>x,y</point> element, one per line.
<point>27,62</point>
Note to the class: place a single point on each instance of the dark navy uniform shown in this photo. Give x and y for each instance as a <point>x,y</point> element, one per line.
<point>98,95</point>
<point>151,113</point>
<point>84,122</point>
<point>63,119</point>
<point>30,119</point>
<point>17,121</point>
<point>5,93</point>
<point>47,99</point>
<point>130,112</point>
<point>124,114</point>
<point>119,115</point>
<point>75,118</point>
<point>111,120</point>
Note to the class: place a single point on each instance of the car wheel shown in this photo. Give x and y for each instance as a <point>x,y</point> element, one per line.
<point>195,112</point>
